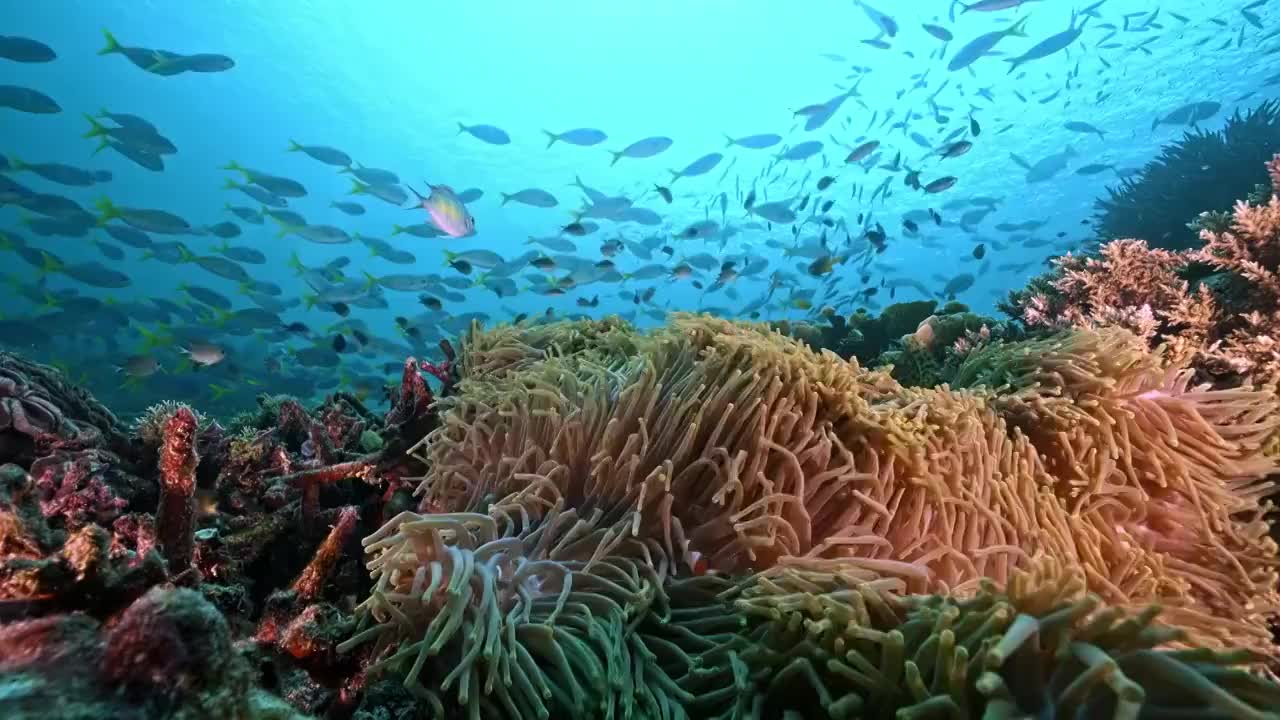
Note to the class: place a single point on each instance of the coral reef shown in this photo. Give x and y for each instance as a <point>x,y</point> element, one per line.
<point>707,520</point>
<point>233,517</point>
<point>596,507</point>
<point>169,654</point>
<point>1203,170</point>
<point>919,344</point>
<point>1216,307</point>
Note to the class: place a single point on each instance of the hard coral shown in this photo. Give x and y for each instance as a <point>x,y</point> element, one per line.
<point>1227,326</point>
<point>40,409</point>
<point>167,655</point>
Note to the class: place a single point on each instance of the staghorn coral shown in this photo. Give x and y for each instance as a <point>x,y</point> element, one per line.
<point>1216,307</point>
<point>1250,250</point>
<point>570,497</point>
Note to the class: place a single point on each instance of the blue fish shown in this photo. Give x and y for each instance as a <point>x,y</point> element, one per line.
<point>983,44</point>
<point>701,166</point>
<point>583,137</point>
<point>486,133</point>
<point>644,148</point>
<point>1050,45</point>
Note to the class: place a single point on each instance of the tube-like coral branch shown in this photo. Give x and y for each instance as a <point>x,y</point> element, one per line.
<point>176,516</point>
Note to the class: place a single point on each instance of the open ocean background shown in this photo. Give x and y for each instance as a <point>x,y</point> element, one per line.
<point>389,82</point>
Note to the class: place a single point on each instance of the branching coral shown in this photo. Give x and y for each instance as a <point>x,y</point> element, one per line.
<point>574,492</point>
<point>1227,324</point>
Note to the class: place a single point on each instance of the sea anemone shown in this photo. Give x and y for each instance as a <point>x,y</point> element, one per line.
<point>576,491</point>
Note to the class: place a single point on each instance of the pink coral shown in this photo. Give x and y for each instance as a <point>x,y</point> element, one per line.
<point>1232,331</point>
<point>71,487</point>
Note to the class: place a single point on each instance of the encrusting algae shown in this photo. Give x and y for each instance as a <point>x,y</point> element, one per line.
<point>712,520</point>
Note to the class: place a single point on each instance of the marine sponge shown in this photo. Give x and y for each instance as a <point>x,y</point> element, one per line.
<point>149,426</point>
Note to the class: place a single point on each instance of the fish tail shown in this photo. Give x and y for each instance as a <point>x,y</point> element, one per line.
<point>616,157</point>
<point>229,184</point>
<point>729,141</point>
<point>1019,28</point>
<point>356,188</point>
<point>49,264</point>
<point>370,280</point>
<point>234,166</point>
<point>505,196</point>
<point>675,175</point>
<point>397,229</point>
<point>107,209</point>
<point>184,255</point>
<point>112,46</point>
<point>293,146</point>
<point>96,128</point>
<point>551,138</point>
<point>296,263</point>
<point>16,162</point>
<point>461,128</point>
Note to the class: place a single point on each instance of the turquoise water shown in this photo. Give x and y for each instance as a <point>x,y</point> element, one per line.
<point>388,83</point>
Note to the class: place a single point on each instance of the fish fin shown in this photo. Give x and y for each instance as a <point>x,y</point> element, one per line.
<point>461,128</point>
<point>617,155</point>
<point>551,138</point>
<point>357,188</point>
<point>229,184</point>
<point>1019,28</point>
<point>112,46</point>
<point>109,211</point>
<point>293,146</point>
<point>96,128</point>
<point>397,229</point>
<point>234,166</point>
<point>505,196</point>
